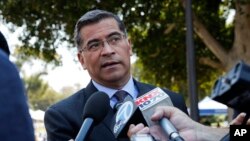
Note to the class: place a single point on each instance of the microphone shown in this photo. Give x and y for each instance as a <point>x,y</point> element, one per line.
<point>127,113</point>
<point>119,104</point>
<point>91,116</point>
<point>170,130</point>
<point>147,104</point>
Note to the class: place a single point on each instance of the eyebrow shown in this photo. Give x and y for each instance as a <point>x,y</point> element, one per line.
<point>114,33</point>
<point>97,40</point>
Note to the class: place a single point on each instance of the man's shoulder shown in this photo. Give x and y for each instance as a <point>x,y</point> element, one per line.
<point>71,100</point>
<point>151,87</point>
<point>143,85</point>
<point>177,99</point>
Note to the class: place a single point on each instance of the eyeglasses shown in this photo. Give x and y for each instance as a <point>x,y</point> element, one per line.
<point>113,41</point>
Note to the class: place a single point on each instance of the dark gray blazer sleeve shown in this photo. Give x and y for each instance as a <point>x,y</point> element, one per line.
<point>57,127</point>
<point>63,119</point>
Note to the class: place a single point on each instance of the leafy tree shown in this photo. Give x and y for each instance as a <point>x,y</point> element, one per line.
<point>39,93</point>
<point>157,29</point>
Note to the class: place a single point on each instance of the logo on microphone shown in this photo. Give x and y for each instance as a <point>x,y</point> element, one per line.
<point>123,115</point>
<point>151,98</point>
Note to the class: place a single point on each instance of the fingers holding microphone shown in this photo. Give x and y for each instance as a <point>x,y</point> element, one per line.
<point>139,132</point>
<point>187,128</point>
<point>184,125</point>
<point>137,129</point>
<point>156,130</point>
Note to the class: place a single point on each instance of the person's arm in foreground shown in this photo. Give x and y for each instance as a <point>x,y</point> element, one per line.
<point>187,128</point>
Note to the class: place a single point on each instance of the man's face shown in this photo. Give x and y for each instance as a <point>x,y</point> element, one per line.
<point>110,64</point>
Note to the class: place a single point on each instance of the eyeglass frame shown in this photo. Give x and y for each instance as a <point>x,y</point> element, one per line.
<point>101,43</point>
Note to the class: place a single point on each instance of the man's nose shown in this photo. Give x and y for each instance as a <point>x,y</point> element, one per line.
<point>107,49</point>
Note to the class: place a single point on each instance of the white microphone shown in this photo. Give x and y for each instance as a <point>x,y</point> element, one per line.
<point>147,104</point>
<point>126,114</point>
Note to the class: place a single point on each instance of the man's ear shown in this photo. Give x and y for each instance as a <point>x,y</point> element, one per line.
<point>130,47</point>
<point>81,60</point>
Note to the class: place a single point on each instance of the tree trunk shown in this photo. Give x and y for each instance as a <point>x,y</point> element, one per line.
<point>241,46</point>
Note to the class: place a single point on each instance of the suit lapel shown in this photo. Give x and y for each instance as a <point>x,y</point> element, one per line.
<point>108,119</point>
<point>90,89</point>
<point>142,88</point>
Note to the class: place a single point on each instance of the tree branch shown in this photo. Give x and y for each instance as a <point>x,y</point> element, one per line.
<point>213,45</point>
<point>169,29</point>
<point>207,61</point>
<point>210,41</point>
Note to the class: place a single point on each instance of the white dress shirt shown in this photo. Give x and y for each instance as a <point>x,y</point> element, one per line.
<point>129,88</point>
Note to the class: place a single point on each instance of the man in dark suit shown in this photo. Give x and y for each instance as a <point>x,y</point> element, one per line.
<point>104,50</point>
<point>15,121</point>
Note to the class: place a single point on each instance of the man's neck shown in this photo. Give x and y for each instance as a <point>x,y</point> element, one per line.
<point>114,84</point>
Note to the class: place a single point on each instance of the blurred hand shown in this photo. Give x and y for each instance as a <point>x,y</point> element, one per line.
<point>239,120</point>
<point>155,131</point>
<point>186,127</point>
<point>137,129</point>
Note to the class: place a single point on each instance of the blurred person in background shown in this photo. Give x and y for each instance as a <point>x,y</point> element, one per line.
<point>15,121</point>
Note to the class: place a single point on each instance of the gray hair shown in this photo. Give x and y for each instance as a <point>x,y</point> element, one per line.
<point>91,17</point>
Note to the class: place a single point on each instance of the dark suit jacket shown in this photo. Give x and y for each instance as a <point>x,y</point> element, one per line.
<point>15,121</point>
<point>64,119</point>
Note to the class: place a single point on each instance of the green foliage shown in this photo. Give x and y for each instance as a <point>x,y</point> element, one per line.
<point>157,29</point>
<point>159,41</point>
<point>39,93</point>
<point>214,120</point>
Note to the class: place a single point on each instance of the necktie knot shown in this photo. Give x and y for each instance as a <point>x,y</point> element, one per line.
<point>120,95</point>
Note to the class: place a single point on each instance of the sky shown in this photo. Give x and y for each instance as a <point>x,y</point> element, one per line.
<point>69,74</point>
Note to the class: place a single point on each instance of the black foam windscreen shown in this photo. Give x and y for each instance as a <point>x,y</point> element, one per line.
<point>97,107</point>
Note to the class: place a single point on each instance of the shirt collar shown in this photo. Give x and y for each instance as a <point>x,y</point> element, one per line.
<point>129,87</point>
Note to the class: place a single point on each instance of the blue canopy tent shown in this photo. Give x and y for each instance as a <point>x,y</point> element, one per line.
<point>207,107</point>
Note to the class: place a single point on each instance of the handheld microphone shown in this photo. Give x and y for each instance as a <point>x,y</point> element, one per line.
<point>119,104</point>
<point>127,113</point>
<point>147,104</point>
<point>98,100</point>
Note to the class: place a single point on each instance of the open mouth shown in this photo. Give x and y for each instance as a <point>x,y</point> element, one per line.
<point>109,64</point>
